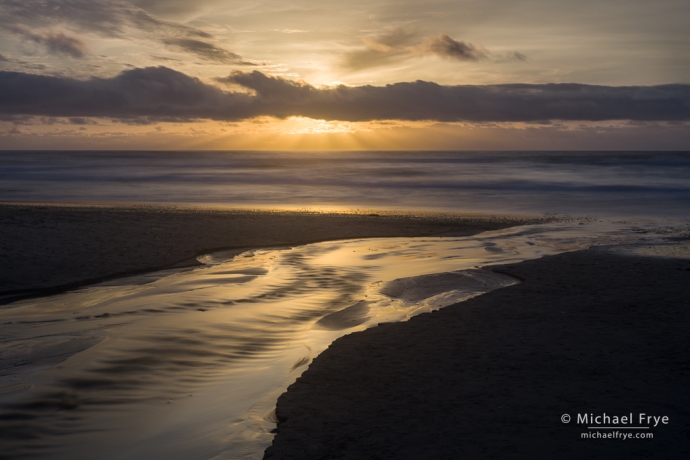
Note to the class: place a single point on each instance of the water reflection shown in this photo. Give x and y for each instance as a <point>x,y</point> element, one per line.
<point>189,365</point>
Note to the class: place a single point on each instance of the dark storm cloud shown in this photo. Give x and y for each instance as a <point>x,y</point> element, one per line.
<point>159,93</point>
<point>205,51</point>
<point>54,41</point>
<point>445,47</point>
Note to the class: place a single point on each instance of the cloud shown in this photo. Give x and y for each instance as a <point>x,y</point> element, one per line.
<point>291,31</point>
<point>159,93</point>
<point>54,41</point>
<point>164,59</point>
<point>81,121</point>
<point>60,43</point>
<point>401,44</point>
<point>151,93</point>
<point>422,100</point>
<point>382,50</point>
<point>168,7</point>
<point>110,19</point>
<point>444,46</point>
<point>205,51</point>
<point>3,58</point>
<point>515,56</point>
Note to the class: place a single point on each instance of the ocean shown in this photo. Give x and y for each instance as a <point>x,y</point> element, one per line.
<point>610,183</point>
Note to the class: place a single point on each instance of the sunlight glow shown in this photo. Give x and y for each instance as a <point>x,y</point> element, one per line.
<point>303,125</point>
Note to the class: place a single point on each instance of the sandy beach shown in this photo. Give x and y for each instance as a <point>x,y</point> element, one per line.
<point>80,354</point>
<point>47,249</point>
<point>586,332</point>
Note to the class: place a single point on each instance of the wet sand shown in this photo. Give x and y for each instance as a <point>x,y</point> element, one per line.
<point>74,367</point>
<point>47,249</point>
<point>591,331</point>
<point>585,332</point>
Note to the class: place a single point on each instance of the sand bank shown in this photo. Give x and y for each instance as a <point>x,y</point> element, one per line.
<point>588,332</point>
<point>48,249</point>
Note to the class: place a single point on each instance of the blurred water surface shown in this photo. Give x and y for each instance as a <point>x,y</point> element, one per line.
<point>633,183</point>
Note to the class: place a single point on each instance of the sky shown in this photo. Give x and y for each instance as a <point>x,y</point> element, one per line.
<point>438,74</point>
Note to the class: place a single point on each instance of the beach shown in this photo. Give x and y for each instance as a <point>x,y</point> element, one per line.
<point>87,287</point>
<point>51,248</point>
<point>174,325</point>
<point>589,332</point>
<point>326,230</point>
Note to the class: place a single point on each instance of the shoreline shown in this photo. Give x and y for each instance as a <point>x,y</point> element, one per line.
<point>585,332</point>
<point>478,378</point>
<point>57,340</point>
<point>53,248</point>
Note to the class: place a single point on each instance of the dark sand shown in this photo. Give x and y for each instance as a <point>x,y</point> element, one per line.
<point>586,332</point>
<point>48,249</point>
<point>489,378</point>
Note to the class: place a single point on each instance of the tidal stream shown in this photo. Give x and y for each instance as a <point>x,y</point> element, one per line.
<point>188,363</point>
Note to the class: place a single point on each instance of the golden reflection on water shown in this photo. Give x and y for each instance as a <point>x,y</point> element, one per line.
<point>189,364</point>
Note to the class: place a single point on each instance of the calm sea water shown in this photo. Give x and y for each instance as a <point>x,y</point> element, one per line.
<point>571,182</point>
